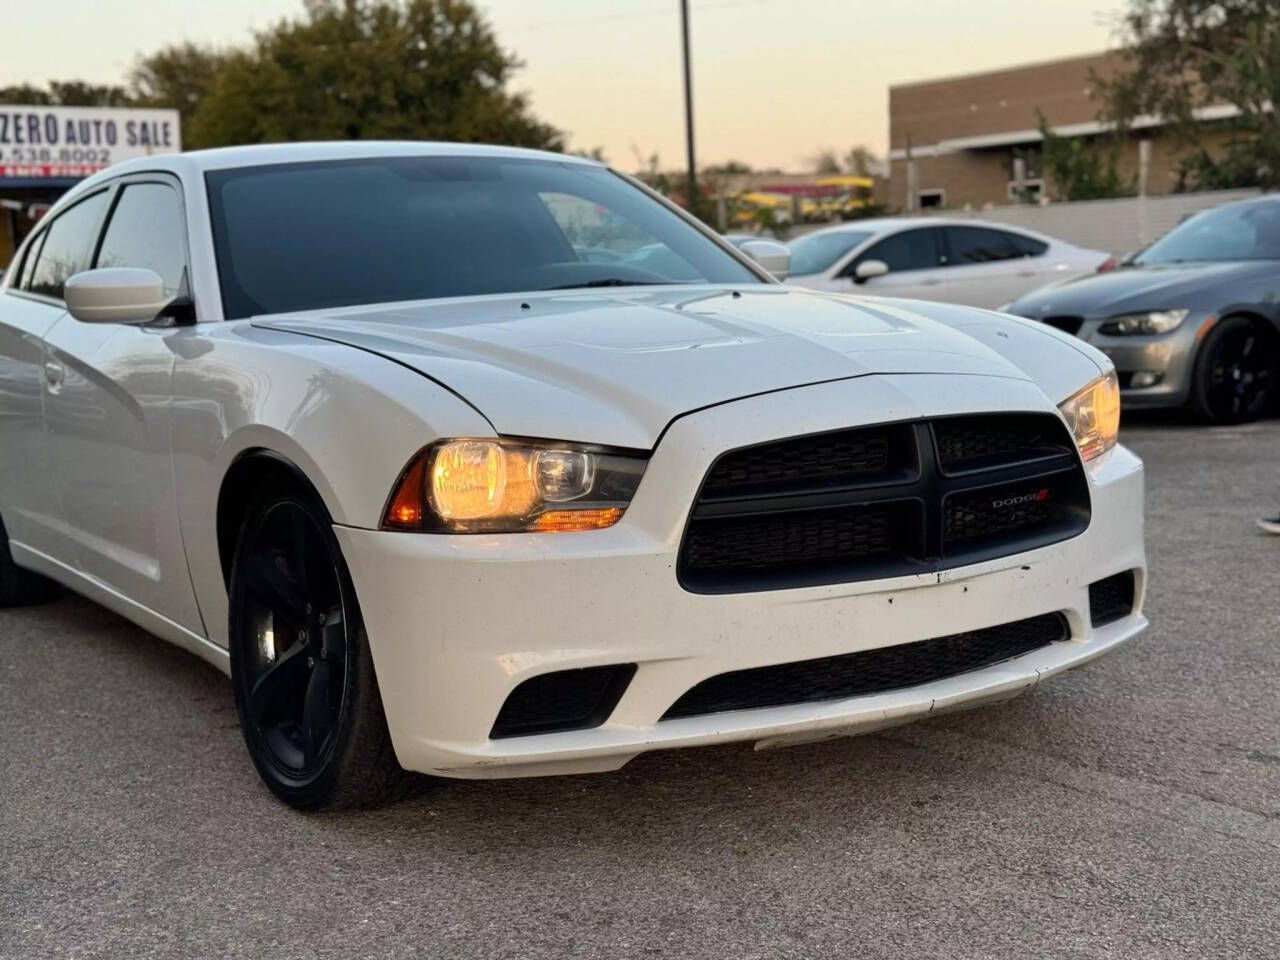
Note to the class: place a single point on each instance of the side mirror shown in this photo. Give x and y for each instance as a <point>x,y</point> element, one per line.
<point>115,295</point>
<point>774,257</point>
<point>868,269</point>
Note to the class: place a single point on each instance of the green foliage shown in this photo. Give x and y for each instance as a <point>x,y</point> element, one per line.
<point>1184,55</point>
<point>180,76</point>
<point>729,167</point>
<point>351,70</point>
<point>1084,170</point>
<point>825,162</point>
<point>66,93</point>
<point>860,161</point>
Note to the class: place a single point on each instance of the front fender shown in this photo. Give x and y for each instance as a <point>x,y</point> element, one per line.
<point>348,420</point>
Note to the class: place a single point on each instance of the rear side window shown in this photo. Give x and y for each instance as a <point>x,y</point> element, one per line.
<point>1030,246</point>
<point>984,245</point>
<point>146,230</point>
<point>68,244</point>
<point>909,250</point>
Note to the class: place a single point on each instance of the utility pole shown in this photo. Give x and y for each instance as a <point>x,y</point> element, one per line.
<point>688,106</point>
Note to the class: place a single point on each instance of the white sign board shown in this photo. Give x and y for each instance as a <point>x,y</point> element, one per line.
<point>79,141</point>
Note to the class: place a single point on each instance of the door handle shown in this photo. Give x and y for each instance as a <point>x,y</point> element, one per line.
<point>930,283</point>
<point>54,374</point>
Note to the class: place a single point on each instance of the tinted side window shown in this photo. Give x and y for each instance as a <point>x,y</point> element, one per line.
<point>1030,246</point>
<point>67,246</point>
<point>909,250</point>
<point>145,230</point>
<point>983,245</point>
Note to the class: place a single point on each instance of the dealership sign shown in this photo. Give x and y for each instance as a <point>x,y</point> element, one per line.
<point>79,141</point>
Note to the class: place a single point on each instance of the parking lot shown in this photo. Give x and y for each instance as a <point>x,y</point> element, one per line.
<point>1128,809</point>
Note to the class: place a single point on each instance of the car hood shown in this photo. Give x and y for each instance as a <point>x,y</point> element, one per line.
<point>1155,287</point>
<point>616,367</point>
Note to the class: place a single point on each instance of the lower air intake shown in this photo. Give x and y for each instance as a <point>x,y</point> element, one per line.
<point>563,700</point>
<point>1111,599</point>
<point>870,671</point>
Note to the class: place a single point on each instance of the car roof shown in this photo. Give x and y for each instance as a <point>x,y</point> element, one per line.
<point>894,224</point>
<point>884,224</point>
<point>196,162</point>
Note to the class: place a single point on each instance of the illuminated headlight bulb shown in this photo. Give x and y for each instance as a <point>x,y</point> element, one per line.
<point>563,475</point>
<point>468,479</point>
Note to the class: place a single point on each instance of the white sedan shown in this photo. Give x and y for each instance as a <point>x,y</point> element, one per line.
<point>484,462</point>
<point>973,262</point>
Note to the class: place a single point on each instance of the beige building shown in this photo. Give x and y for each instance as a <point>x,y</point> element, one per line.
<point>973,140</point>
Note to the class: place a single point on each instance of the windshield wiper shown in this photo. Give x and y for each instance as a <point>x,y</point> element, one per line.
<point>611,282</point>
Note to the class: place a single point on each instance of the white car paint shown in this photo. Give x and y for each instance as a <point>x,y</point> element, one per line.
<point>113,470</point>
<point>945,277</point>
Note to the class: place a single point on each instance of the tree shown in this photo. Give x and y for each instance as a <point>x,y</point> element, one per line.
<point>351,70</point>
<point>825,162</point>
<point>1083,170</point>
<point>729,167</point>
<point>66,93</point>
<point>180,76</point>
<point>1185,55</point>
<point>860,161</point>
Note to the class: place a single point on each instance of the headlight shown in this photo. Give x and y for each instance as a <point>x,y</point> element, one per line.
<point>509,486</point>
<point>1157,321</point>
<point>1093,414</point>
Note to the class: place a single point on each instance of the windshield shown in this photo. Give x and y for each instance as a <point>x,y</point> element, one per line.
<point>817,251</point>
<point>306,236</point>
<point>1242,231</point>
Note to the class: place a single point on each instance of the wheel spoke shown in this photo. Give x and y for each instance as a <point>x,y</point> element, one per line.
<point>275,586</point>
<point>334,635</point>
<point>315,712</point>
<point>298,537</point>
<point>287,671</point>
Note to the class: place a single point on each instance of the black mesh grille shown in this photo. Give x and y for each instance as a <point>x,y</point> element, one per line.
<point>980,443</point>
<point>891,500</point>
<point>811,536</point>
<point>1069,325</point>
<point>869,671</point>
<point>988,513</point>
<point>563,700</point>
<point>836,457</point>
<point>1111,598</point>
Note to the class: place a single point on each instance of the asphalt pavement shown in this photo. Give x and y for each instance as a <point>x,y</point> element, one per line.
<point>1128,809</point>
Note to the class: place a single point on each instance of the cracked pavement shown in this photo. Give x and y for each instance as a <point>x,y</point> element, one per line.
<point>1127,809</point>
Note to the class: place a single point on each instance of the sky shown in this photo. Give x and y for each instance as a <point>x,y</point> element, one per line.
<point>774,81</point>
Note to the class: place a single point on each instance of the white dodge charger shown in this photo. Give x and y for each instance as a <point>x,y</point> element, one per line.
<point>485,462</point>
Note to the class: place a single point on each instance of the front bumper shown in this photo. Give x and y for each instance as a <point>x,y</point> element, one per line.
<point>457,622</point>
<point>1172,355</point>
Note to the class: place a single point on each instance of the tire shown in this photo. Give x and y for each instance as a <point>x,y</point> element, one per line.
<point>19,587</point>
<point>1234,378</point>
<point>306,694</point>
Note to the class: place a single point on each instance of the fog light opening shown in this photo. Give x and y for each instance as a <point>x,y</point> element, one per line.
<point>1145,378</point>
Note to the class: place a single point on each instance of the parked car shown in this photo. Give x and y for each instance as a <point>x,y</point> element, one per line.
<point>358,425</point>
<point>1193,319</point>
<point>932,258</point>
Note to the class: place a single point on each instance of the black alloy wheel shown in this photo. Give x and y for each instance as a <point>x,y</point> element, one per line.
<point>1235,372</point>
<point>305,691</point>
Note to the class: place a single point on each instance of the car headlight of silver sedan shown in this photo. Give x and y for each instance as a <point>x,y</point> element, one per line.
<point>1093,414</point>
<point>1149,323</point>
<point>512,486</point>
